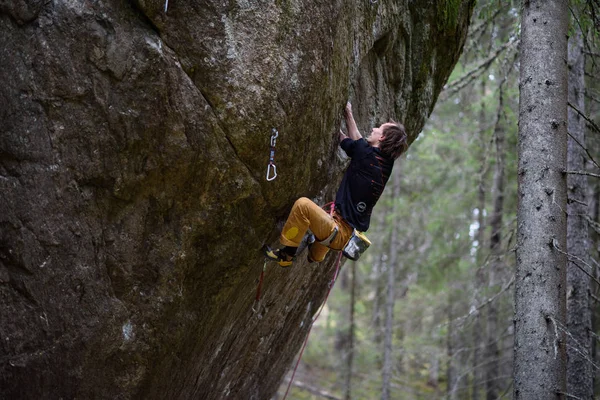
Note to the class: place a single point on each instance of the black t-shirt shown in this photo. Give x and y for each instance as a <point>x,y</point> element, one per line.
<point>363,182</point>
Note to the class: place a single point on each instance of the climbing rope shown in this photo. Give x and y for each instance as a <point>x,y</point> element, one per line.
<point>330,286</point>
<point>256,305</point>
<point>331,283</point>
<point>271,168</point>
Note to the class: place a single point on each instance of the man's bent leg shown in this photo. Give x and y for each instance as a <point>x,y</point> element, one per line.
<point>306,214</point>
<point>317,252</point>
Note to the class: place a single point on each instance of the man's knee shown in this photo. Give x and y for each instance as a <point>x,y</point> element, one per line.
<point>317,252</point>
<point>303,206</point>
<point>303,202</point>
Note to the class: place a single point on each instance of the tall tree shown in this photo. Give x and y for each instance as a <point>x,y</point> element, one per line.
<point>391,299</point>
<point>451,367</point>
<point>540,306</point>
<point>378,268</point>
<point>493,353</point>
<point>344,333</point>
<point>350,350</point>
<point>579,319</point>
<point>479,237</point>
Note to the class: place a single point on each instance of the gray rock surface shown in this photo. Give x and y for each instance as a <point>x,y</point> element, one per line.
<point>133,150</point>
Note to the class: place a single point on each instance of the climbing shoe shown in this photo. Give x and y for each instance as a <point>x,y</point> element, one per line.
<point>279,256</point>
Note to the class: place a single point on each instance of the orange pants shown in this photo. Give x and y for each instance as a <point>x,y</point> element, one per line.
<point>307,215</point>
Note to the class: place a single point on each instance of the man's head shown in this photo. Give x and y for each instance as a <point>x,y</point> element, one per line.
<point>390,138</point>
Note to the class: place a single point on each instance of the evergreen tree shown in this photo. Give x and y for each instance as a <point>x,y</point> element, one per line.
<point>540,357</point>
<point>579,323</point>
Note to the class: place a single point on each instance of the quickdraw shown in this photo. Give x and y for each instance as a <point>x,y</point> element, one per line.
<point>271,168</point>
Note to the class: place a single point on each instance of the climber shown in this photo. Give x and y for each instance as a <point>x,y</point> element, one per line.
<point>370,167</point>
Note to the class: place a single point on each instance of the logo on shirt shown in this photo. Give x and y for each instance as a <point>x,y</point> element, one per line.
<point>361,207</point>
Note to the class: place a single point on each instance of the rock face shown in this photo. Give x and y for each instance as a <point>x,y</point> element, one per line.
<point>134,141</point>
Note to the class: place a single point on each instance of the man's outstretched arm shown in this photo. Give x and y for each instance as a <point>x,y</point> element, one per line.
<point>353,132</point>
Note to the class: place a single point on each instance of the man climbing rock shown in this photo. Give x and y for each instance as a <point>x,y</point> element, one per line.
<point>372,160</point>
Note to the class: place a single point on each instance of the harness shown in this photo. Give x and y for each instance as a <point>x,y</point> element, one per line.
<point>357,244</point>
<point>330,238</point>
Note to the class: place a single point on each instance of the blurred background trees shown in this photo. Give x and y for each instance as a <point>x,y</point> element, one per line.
<point>446,235</point>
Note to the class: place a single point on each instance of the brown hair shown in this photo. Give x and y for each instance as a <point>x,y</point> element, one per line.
<point>395,140</point>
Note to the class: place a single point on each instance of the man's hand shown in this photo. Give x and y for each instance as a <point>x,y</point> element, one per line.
<point>348,110</point>
<point>353,132</point>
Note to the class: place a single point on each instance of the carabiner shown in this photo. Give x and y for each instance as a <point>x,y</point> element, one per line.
<point>270,167</point>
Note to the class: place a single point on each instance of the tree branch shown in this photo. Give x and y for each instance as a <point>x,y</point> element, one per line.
<point>583,33</point>
<point>595,226</point>
<point>582,173</point>
<point>584,117</point>
<point>577,265</point>
<point>591,97</point>
<point>473,310</point>
<point>469,76</point>
<point>315,391</point>
<point>585,149</point>
<point>570,396</point>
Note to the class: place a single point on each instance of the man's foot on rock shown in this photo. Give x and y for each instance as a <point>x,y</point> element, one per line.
<point>280,257</point>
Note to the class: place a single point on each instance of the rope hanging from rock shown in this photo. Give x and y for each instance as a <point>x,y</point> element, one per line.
<point>331,283</point>
<point>256,305</point>
<point>331,206</point>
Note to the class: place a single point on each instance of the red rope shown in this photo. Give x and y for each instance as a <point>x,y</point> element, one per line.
<point>331,283</point>
<point>260,281</point>
<point>262,273</point>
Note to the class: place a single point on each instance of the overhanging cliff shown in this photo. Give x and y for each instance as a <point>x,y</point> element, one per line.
<point>134,144</point>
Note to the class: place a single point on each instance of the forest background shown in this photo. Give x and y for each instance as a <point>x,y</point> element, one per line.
<point>444,237</point>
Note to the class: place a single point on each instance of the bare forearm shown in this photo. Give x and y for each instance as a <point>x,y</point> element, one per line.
<point>342,136</point>
<point>353,132</point>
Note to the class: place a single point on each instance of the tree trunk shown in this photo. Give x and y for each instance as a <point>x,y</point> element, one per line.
<point>379,266</point>
<point>593,195</point>
<point>451,373</point>
<point>389,318</point>
<point>350,349</point>
<point>579,322</point>
<point>594,200</point>
<point>477,324</point>
<point>540,305</point>
<point>492,350</point>
<point>342,334</point>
